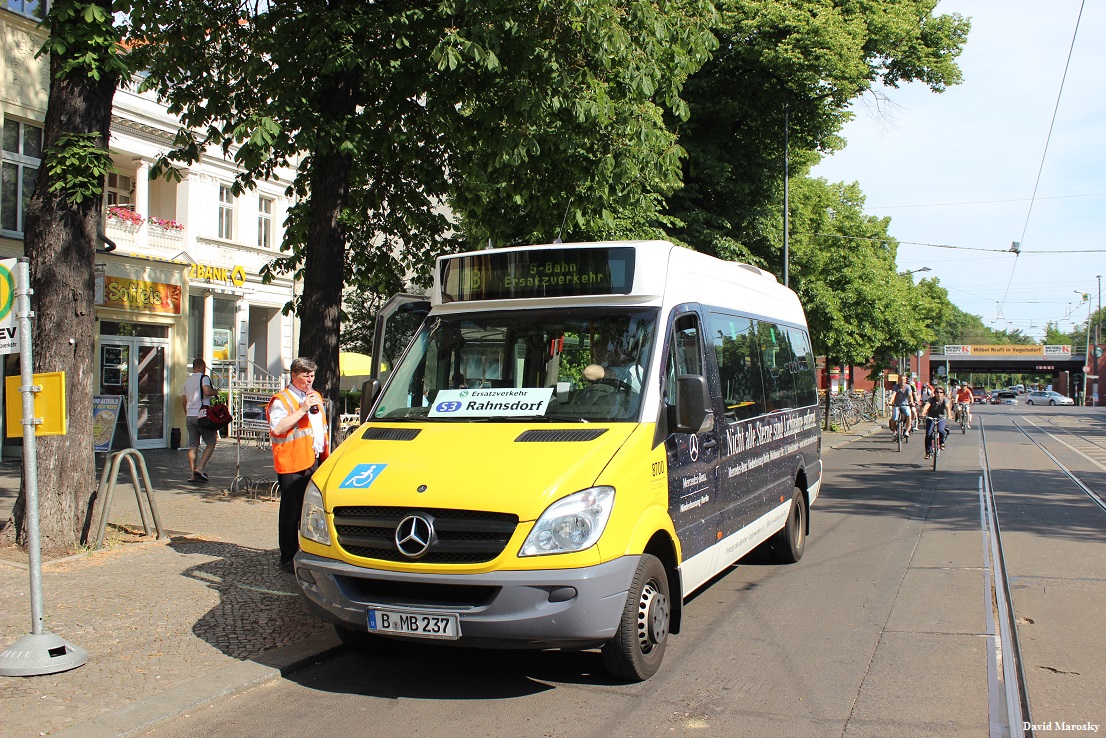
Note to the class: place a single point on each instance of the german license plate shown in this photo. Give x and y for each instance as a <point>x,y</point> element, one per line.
<point>415,623</point>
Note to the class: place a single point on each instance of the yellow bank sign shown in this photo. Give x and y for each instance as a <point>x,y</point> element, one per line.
<point>236,274</point>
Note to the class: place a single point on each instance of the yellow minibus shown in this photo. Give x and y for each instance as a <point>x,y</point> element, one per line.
<point>577,437</point>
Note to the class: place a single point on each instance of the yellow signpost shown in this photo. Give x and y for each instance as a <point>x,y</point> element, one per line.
<point>49,405</point>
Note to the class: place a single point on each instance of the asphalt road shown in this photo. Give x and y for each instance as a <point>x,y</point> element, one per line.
<point>885,628</point>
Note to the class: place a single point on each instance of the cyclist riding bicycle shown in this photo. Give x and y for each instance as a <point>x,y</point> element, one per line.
<point>964,400</point>
<point>902,402</point>
<point>937,410</point>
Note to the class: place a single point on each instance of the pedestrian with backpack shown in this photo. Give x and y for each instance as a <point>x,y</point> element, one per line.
<point>198,392</point>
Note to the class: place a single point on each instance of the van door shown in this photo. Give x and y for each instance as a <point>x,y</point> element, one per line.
<point>396,323</point>
<point>692,459</point>
<point>777,364</point>
<point>742,478</point>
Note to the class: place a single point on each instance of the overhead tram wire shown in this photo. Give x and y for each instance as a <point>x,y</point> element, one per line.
<point>1044,153</point>
<point>950,246</point>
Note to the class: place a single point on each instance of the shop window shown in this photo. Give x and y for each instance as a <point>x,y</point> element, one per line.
<point>138,330</point>
<point>21,157</point>
<point>222,330</point>
<point>195,327</point>
<point>265,222</point>
<point>226,213</point>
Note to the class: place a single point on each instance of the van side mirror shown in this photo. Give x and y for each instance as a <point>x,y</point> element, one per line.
<point>692,412</point>
<point>370,388</point>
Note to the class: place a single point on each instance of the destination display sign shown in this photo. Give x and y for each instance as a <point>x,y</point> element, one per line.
<point>490,403</point>
<point>553,272</point>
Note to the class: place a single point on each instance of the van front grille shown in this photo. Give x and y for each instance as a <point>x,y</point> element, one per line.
<point>460,536</point>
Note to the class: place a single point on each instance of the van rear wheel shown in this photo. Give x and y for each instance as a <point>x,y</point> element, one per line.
<point>788,544</point>
<point>636,651</point>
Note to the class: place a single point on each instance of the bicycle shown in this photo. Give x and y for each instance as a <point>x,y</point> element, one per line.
<point>962,415</point>
<point>934,434</point>
<point>901,435</point>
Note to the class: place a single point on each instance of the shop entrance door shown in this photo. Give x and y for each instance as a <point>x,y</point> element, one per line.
<point>135,368</point>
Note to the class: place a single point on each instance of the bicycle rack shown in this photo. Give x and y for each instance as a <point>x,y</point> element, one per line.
<point>268,487</point>
<point>110,477</point>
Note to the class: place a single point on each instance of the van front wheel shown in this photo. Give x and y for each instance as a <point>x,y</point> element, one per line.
<point>636,651</point>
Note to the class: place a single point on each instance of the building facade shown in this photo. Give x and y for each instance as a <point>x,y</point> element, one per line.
<point>184,278</point>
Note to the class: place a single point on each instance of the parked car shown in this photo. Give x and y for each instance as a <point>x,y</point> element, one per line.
<point>1048,397</point>
<point>980,396</point>
<point>1007,397</point>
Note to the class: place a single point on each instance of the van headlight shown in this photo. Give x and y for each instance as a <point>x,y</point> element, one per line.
<point>571,524</point>
<point>313,525</point>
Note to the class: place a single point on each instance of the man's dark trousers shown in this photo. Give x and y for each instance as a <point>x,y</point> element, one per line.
<point>292,488</point>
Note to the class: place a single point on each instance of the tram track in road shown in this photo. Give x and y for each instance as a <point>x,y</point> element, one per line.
<point>1094,496</point>
<point>1008,695</point>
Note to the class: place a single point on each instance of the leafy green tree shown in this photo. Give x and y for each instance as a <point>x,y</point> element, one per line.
<point>59,238</point>
<point>794,65</point>
<point>520,116</point>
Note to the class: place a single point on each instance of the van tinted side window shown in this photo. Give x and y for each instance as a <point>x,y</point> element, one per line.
<point>776,358</point>
<point>806,383</point>
<point>735,348</point>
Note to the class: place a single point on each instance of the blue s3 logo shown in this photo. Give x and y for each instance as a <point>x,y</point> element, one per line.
<point>447,407</point>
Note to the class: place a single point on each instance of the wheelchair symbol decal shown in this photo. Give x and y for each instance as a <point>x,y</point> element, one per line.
<point>362,476</point>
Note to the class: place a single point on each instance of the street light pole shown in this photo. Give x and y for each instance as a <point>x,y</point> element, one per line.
<point>1087,355</point>
<point>786,213</point>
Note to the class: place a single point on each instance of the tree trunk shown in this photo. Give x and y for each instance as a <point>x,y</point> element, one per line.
<point>60,240</point>
<point>324,253</point>
<point>323,269</point>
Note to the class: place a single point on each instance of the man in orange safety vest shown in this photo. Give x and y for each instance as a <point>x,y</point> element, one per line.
<point>300,436</point>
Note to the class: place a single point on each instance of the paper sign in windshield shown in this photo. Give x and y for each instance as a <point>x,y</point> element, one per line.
<point>486,403</point>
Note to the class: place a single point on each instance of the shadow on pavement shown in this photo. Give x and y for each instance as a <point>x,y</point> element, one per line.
<point>259,606</point>
<point>416,670</point>
<point>871,478</point>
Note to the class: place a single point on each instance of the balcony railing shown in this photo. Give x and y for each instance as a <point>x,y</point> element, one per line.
<point>145,237</point>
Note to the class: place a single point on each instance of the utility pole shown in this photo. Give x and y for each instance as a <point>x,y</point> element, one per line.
<point>786,205</point>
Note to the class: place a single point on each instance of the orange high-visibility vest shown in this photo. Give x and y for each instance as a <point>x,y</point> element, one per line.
<point>295,450</point>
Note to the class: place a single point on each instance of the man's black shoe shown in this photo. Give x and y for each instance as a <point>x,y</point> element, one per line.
<point>288,567</point>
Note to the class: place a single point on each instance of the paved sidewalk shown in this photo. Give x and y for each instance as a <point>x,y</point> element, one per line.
<point>169,625</point>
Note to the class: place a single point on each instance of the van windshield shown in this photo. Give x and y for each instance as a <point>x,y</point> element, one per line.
<point>574,365</point>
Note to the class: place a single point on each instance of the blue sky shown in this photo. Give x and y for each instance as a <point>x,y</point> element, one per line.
<point>959,168</point>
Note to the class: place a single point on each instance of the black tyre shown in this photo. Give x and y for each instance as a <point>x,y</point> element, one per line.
<point>936,451</point>
<point>1051,402</point>
<point>788,544</point>
<point>637,649</point>
<point>1029,402</point>
<point>898,435</point>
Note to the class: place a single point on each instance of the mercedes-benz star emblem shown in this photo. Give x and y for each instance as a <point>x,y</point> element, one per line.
<point>414,534</point>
